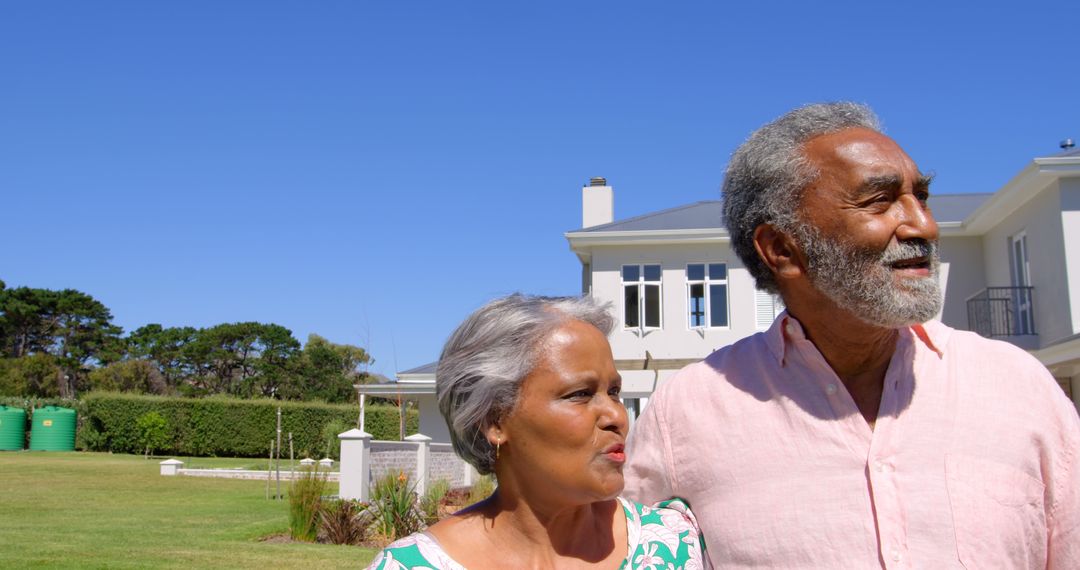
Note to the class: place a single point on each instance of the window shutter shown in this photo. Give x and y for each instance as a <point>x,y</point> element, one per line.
<point>768,306</point>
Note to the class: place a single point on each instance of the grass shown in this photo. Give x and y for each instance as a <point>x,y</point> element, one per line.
<point>95,510</point>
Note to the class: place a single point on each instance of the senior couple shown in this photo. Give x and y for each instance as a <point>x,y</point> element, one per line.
<point>854,433</point>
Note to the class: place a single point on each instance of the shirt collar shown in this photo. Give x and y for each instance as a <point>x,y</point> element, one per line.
<point>786,329</point>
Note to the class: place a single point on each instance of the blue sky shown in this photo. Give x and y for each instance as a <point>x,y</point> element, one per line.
<point>373,171</point>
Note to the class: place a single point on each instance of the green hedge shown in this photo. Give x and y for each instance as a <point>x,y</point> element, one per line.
<point>216,426</point>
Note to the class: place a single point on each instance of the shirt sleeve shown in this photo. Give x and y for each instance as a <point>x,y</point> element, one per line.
<point>647,475</point>
<point>1064,516</point>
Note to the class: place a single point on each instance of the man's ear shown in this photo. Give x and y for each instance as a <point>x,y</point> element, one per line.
<point>779,252</point>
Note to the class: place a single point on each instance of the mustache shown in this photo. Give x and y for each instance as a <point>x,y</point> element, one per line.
<point>909,249</point>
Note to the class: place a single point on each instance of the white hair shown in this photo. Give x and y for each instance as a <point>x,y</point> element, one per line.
<point>484,361</point>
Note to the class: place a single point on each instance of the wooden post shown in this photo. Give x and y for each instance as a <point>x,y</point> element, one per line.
<point>277,462</point>
<point>269,469</point>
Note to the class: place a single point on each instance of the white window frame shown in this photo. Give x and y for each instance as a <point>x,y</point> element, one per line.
<point>706,284</point>
<point>640,284</point>
<point>1021,277</point>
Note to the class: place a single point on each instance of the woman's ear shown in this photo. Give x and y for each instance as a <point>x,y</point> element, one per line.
<point>779,253</point>
<point>494,434</point>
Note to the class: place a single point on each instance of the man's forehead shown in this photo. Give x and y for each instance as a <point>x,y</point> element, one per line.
<point>869,152</point>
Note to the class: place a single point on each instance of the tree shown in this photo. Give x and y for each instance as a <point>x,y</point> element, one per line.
<point>165,348</point>
<point>33,375</point>
<point>242,359</point>
<point>70,325</point>
<point>153,432</point>
<point>328,371</point>
<point>138,376</point>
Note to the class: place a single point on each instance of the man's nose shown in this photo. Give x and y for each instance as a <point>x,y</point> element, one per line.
<point>917,221</point>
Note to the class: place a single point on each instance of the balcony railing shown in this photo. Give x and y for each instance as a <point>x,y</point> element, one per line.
<point>1002,311</point>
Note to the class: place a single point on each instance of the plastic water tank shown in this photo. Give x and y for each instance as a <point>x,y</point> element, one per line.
<point>53,429</point>
<point>12,428</point>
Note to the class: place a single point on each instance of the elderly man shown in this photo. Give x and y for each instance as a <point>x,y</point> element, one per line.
<point>857,432</point>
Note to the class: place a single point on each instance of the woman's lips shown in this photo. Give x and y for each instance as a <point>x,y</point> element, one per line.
<point>616,453</point>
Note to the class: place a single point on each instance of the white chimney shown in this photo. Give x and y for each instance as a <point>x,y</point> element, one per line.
<point>597,203</point>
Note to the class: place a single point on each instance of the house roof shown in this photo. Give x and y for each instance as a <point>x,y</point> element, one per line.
<point>707,214</point>
<point>428,368</point>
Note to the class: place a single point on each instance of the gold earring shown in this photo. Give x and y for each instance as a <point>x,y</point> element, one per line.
<point>498,444</point>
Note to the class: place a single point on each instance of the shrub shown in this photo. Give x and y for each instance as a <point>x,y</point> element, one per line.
<point>393,502</point>
<point>481,489</point>
<point>152,431</point>
<point>432,500</point>
<point>331,445</point>
<point>344,521</point>
<point>217,426</point>
<point>305,499</point>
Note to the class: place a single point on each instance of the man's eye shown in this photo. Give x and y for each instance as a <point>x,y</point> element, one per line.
<point>614,391</point>
<point>579,394</point>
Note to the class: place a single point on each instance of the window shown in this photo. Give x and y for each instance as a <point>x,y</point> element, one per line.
<point>641,296</point>
<point>707,299</point>
<point>768,306</point>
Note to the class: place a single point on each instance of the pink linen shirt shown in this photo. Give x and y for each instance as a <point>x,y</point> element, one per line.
<point>972,462</point>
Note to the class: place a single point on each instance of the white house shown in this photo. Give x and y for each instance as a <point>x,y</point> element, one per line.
<point>1010,270</point>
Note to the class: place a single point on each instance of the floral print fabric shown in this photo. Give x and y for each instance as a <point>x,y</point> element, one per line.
<point>665,536</point>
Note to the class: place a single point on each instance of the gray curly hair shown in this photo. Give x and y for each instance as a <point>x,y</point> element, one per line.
<point>767,174</point>
<point>479,374</point>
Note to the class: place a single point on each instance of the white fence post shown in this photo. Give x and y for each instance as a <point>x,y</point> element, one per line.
<point>471,474</point>
<point>423,460</point>
<point>171,467</point>
<point>355,464</point>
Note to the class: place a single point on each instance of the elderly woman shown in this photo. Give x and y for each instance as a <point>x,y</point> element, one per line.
<point>530,392</point>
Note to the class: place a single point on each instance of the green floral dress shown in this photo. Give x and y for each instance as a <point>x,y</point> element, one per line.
<point>665,536</point>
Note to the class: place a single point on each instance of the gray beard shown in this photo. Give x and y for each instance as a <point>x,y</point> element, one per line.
<point>861,280</point>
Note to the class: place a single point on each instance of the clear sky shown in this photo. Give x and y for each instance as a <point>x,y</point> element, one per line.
<point>373,171</point>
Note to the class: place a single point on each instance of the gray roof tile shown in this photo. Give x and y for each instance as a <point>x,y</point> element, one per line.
<point>707,215</point>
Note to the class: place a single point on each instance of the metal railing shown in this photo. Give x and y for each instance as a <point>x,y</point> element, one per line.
<point>1002,311</point>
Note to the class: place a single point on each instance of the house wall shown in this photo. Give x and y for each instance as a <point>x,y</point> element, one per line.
<point>962,275</point>
<point>1040,218</point>
<point>432,423</point>
<point>676,339</point>
<point>1069,189</point>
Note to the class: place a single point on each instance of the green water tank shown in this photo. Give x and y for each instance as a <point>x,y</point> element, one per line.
<point>12,428</point>
<point>53,429</point>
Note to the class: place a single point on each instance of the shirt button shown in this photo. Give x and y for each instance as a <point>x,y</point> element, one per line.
<point>896,555</point>
<point>830,389</point>
<point>790,327</point>
<point>879,466</point>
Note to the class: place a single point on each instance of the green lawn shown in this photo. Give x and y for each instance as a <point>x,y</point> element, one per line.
<point>95,510</point>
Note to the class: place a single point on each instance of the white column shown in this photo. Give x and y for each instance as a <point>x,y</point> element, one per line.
<point>171,467</point>
<point>307,462</point>
<point>471,474</point>
<point>355,464</point>
<point>423,460</point>
<point>326,464</point>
